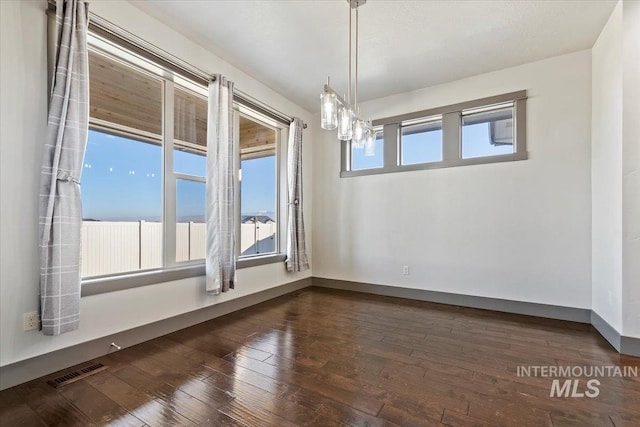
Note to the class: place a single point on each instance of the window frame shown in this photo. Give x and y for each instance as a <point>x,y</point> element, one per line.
<point>171,269</point>
<point>282,132</point>
<point>451,137</point>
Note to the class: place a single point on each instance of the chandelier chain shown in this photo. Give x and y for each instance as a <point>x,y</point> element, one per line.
<point>344,114</point>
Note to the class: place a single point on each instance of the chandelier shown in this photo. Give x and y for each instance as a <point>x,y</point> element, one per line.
<point>340,113</point>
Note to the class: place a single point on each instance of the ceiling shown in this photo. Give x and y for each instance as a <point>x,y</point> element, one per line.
<point>291,46</point>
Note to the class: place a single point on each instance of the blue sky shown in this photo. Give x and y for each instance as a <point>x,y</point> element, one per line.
<point>257,192</point>
<point>121,179</point>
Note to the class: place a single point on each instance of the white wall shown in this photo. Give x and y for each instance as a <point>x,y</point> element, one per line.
<point>23,80</point>
<point>631,169</point>
<point>606,172</point>
<point>616,170</point>
<point>518,230</point>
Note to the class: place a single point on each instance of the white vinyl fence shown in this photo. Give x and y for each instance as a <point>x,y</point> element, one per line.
<point>257,238</point>
<point>116,247</point>
<point>190,241</point>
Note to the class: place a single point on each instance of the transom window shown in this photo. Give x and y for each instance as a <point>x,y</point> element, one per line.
<point>421,141</point>
<point>487,130</point>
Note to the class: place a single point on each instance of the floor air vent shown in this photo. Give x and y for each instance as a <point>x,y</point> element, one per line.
<point>76,375</point>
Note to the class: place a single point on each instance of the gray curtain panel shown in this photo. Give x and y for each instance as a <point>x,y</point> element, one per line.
<point>296,251</point>
<point>221,188</point>
<point>60,208</point>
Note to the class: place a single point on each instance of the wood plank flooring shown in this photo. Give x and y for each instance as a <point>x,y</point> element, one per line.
<point>333,358</point>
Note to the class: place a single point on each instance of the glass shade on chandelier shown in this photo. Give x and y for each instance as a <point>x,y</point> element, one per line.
<point>343,113</point>
<point>329,110</point>
<point>359,127</point>
<point>345,123</point>
<point>370,143</point>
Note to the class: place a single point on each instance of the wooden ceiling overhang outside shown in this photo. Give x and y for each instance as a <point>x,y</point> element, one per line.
<point>128,101</point>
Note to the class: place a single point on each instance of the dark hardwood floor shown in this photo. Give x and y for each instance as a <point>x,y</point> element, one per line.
<point>332,358</point>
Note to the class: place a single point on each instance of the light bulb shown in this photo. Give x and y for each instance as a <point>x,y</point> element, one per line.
<point>329,109</point>
<point>345,125</point>
<point>358,133</point>
<point>370,143</point>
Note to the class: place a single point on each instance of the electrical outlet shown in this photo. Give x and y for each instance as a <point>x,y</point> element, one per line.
<point>31,321</point>
<point>405,270</point>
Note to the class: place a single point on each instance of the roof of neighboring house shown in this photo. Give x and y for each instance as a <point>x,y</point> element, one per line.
<point>251,219</point>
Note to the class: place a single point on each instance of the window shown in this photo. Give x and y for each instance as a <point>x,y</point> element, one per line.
<point>258,189</point>
<point>487,133</point>
<point>122,175</point>
<point>189,172</point>
<point>487,130</point>
<point>143,182</point>
<point>361,160</point>
<point>122,200</point>
<point>421,142</point>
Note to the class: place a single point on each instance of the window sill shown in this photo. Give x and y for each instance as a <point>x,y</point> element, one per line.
<point>437,165</point>
<point>257,260</point>
<point>101,285</point>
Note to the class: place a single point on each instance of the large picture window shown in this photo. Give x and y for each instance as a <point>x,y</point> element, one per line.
<point>144,177</point>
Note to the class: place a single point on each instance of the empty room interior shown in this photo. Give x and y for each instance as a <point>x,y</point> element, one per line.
<point>320,213</point>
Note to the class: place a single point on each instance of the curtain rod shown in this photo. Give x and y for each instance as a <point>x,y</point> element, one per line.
<point>117,34</point>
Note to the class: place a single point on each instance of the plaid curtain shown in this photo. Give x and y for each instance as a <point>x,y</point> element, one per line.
<point>60,208</point>
<point>296,251</point>
<point>221,186</point>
